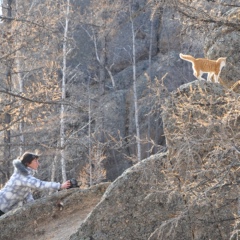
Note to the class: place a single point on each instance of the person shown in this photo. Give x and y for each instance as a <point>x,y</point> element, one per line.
<point>17,190</point>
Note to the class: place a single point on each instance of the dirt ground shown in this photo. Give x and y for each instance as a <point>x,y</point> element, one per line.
<point>61,228</point>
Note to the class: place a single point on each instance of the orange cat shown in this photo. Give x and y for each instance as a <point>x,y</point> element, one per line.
<point>203,65</point>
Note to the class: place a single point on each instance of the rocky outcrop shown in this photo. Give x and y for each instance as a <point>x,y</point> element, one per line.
<point>220,24</point>
<point>191,192</point>
<point>224,41</point>
<point>114,111</point>
<point>53,217</point>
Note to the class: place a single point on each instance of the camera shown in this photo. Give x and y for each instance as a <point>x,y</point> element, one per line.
<point>74,183</point>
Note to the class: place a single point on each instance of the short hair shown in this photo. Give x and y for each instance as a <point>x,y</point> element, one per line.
<point>28,157</point>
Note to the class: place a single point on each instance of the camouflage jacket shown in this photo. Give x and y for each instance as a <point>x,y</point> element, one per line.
<point>17,190</point>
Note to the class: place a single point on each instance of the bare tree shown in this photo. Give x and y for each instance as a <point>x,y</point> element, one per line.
<point>26,84</point>
<point>135,100</point>
<point>100,26</point>
<point>64,73</point>
<point>8,79</point>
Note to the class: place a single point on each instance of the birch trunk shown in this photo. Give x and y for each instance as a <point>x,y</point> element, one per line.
<point>102,62</point>
<point>62,114</point>
<point>135,88</point>
<point>150,77</point>
<point>89,135</point>
<point>20,89</point>
<point>7,118</point>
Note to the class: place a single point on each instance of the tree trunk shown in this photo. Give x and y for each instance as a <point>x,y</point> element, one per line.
<point>62,115</point>
<point>102,74</point>
<point>7,120</point>
<point>149,92</point>
<point>138,140</point>
<point>89,135</point>
<point>20,89</point>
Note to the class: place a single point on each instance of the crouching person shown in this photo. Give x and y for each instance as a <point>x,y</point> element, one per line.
<point>17,190</point>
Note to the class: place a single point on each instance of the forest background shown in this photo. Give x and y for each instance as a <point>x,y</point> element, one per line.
<point>82,82</point>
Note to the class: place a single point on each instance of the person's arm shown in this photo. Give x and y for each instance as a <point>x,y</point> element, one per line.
<point>38,184</point>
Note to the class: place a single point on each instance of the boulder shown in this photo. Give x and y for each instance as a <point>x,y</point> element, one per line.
<point>189,192</point>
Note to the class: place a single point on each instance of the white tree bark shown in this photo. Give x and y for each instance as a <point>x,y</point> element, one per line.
<point>150,77</point>
<point>89,136</point>
<point>62,113</point>
<point>20,89</point>
<point>138,140</point>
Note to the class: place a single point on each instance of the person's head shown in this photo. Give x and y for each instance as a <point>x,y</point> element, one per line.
<point>30,160</point>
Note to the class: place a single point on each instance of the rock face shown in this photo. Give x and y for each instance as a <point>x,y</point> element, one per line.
<point>224,41</point>
<point>172,34</point>
<point>54,217</point>
<point>221,34</point>
<point>115,111</point>
<point>191,191</point>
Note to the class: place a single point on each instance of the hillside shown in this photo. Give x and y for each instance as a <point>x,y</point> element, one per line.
<point>190,192</point>
<point>187,185</point>
<point>45,219</point>
<point>182,194</point>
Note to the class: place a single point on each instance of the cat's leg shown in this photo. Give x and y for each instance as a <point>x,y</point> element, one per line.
<point>216,76</point>
<point>198,75</point>
<point>209,77</point>
<point>195,74</point>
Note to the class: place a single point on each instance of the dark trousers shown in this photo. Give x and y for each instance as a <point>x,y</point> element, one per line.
<point>1,213</point>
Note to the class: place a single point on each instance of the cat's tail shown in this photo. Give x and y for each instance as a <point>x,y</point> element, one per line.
<point>188,58</point>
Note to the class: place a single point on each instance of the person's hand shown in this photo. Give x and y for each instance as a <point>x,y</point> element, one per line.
<point>65,185</point>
